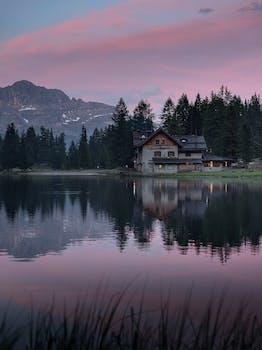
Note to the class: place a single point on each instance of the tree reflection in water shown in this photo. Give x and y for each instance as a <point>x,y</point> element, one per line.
<point>45,214</point>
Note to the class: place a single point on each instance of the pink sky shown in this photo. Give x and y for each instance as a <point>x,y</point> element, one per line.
<point>143,49</point>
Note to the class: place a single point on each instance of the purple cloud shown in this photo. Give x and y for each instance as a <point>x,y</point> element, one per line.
<point>205,11</point>
<point>253,6</point>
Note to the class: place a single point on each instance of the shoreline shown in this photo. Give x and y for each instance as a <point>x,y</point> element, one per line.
<point>227,174</point>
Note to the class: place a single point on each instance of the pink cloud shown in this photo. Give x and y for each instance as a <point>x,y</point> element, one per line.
<point>113,53</point>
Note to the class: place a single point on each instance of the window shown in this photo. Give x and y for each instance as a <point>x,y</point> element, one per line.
<point>157,154</point>
<point>188,154</point>
<point>157,142</point>
<point>171,154</point>
<point>163,141</point>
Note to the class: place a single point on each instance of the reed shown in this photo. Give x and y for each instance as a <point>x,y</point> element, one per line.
<point>113,323</point>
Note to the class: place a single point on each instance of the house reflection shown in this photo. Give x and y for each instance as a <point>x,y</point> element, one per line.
<point>162,197</point>
<point>43,215</point>
<point>159,196</point>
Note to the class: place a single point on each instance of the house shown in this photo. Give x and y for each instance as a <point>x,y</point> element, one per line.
<point>160,152</point>
<point>212,162</point>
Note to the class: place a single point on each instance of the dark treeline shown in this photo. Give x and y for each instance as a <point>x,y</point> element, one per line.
<point>231,127</point>
<point>108,148</point>
<point>25,150</point>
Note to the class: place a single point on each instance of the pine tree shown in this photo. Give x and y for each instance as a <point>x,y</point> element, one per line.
<point>1,149</point>
<point>108,147</point>
<point>73,156</point>
<point>225,95</point>
<point>197,116</point>
<point>99,149</point>
<point>44,146</point>
<point>61,151</point>
<point>95,149</point>
<point>122,146</point>
<point>245,151</point>
<point>142,117</point>
<point>214,118</point>
<point>51,147</point>
<point>233,113</point>
<point>121,113</point>
<point>23,163</point>
<point>83,149</point>
<point>168,116</point>
<point>31,146</point>
<point>184,113</point>
<point>10,149</point>
<point>255,118</point>
<point>58,157</point>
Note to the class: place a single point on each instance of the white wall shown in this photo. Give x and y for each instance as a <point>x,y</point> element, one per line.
<point>148,154</point>
<point>193,156</point>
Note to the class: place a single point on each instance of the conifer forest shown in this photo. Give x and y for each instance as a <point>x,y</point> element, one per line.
<point>231,126</point>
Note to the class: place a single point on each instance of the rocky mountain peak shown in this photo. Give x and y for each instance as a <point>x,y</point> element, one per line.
<point>23,84</point>
<point>26,104</point>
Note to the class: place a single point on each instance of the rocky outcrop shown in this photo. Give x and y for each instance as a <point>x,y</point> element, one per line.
<point>26,104</point>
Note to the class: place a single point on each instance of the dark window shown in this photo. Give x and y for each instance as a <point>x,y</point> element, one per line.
<point>157,154</point>
<point>171,154</point>
<point>188,154</point>
<point>157,142</point>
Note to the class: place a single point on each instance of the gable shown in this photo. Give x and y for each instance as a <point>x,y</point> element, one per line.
<point>160,138</point>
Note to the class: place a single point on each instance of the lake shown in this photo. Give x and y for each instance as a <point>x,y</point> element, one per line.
<point>65,236</point>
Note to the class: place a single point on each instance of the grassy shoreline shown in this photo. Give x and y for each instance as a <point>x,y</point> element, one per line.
<point>227,174</point>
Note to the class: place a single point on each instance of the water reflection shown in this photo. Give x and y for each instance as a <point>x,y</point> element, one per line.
<point>44,215</point>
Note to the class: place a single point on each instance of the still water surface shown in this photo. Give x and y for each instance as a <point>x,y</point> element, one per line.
<point>64,235</point>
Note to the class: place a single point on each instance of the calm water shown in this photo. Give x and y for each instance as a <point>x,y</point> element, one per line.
<point>64,236</point>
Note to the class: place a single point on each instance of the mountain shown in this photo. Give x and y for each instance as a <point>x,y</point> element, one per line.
<point>26,104</point>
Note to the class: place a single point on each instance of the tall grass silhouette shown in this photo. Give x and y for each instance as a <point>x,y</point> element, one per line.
<point>115,323</point>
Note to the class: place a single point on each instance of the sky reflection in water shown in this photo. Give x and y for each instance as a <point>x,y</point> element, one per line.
<point>66,235</point>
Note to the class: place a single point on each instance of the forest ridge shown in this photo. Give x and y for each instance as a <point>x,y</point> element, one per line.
<point>232,127</point>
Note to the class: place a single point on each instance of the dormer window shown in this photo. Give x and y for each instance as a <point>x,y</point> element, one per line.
<point>143,137</point>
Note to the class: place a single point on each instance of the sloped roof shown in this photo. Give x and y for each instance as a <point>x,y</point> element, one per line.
<point>212,157</point>
<point>191,142</point>
<point>185,142</point>
<point>140,136</point>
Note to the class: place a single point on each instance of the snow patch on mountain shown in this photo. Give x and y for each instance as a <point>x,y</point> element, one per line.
<point>25,108</point>
<point>69,119</point>
<point>98,116</point>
